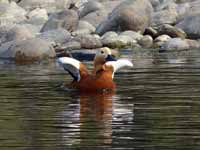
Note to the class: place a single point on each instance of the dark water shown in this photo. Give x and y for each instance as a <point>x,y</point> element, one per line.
<point>156,107</point>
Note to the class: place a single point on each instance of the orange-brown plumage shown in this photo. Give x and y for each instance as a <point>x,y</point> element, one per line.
<point>100,78</point>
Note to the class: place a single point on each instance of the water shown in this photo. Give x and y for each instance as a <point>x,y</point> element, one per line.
<point>156,107</point>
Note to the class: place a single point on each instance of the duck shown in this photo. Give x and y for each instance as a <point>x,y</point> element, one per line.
<point>100,78</point>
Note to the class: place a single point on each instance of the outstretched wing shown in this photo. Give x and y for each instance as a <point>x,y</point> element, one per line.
<point>119,64</point>
<point>75,68</point>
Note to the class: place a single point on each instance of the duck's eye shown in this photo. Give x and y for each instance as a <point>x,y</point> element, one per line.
<point>102,52</point>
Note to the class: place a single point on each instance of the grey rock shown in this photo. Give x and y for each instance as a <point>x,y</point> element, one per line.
<point>171,31</point>
<point>89,41</point>
<point>129,15</point>
<point>191,25</point>
<point>175,44</point>
<point>31,49</point>
<point>146,41</point>
<point>193,44</point>
<point>84,27</point>
<point>57,36</point>
<point>160,40</point>
<point>95,18</point>
<point>71,45</point>
<point>11,13</point>
<point>37,16</point>
<point>49,5</point>
<point>67,19</point>
<point>113,40</point>
<point>151,31</point>
<point>89,7</point>
<point>134,35</point>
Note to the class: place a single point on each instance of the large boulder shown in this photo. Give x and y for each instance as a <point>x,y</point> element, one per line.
<point>165,14</point>
<point>191,25</point>
<point>67,19</point>
<point>129,15</point>
<point>31,49</point>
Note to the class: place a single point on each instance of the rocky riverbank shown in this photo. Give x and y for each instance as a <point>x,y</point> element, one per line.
<point>32,30</point>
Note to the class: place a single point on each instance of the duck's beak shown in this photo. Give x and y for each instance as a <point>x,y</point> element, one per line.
<point>110,58</point>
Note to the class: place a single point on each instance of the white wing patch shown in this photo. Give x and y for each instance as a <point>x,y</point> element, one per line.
<point>71,65</point>
<point>119,64</point>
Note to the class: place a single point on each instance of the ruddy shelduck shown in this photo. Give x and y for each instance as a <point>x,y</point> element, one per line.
<point>101,78</point>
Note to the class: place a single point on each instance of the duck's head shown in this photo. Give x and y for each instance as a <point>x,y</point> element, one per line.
<point>103,55</point>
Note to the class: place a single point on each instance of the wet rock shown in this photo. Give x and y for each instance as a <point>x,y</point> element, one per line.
<point>193,44</point>
<point>134,35</point>
<point>160,40</point>
<point>129,15</point>
<point>146,41</point>
<point>89,41</point>
<point>190,25</point>
<point>89,7</point>
<point>151,31</point>
<point>175,44</point>
<point>71,45</point>
<point>4,47</point>
<point>67,19</point>
<point>171,31</point>
<point>57,36</point>
<point>113,40</point>
<point>11,13</point>
<point>31,49</point>
<point>37,16</point>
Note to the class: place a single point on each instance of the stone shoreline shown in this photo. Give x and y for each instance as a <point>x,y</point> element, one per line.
<point>41,29</point>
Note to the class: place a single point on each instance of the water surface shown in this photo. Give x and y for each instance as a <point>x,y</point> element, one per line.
<point>156,106</point>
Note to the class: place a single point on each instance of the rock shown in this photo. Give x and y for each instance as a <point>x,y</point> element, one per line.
<point>191,25</point>
<point>134,35</point>
<point>167,16</point>
<point>146,41</point>
<point>171,31</point>
<point>4,47</point>
<point>4,1</point>
<point>11,13</point>
<point>37,16</point>
<point>113,40</point>
<point>193,44</point>
<point>18,33</point>
<point>57,36</point>
<point>71,45</point>
<point>89,41</point>
<point>160,40</point>
<point>84,27</point>
<point>129,15</point>
<point>89,7</point>
<point>151,31</point>
<point>49,5</point>
<point>67,19</point>
<point>95,18</point>
<point>29,50</point>
<point>175,44</point>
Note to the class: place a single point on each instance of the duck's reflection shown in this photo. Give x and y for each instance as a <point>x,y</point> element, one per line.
<point>96,118</point>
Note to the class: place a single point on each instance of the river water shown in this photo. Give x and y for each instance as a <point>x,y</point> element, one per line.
<point>156,106</point>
